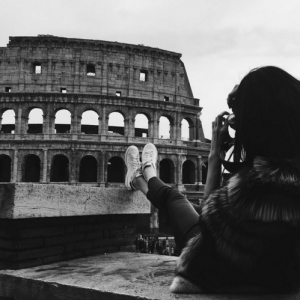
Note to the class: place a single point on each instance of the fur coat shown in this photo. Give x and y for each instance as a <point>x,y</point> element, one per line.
<point>249,238</point>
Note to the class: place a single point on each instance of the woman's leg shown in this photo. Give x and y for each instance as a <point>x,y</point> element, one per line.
<point>183,217</point>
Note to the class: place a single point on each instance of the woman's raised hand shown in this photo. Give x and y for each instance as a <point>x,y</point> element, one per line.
<point>220,134</point>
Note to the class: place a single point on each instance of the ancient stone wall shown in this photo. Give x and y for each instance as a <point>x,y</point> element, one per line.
<point>49,64</point>
<point>31,242</point>
<point>53,74</point>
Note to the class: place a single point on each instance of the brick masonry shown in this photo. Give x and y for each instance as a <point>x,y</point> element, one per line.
<point>31,242</point>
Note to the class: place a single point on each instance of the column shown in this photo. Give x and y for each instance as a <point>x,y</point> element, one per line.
<point>155,126</point>
<point>75,123</point>
<point>73,172</point>
<point>126,127</point>
<point>18,121</point>
<point>199,167</point>
<point>104,120</point>
<point>173,129</point>
<point>103,169</point>
<point>99,125</point>
<point>45,165</point>
<point>15,166</point>
<point>46,120</point>
<point>180,186</point>
<point>24,124</point>
<point>51,120</point>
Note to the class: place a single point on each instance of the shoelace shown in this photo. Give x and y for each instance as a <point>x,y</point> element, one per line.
<point>148,156</point>
<point>135,161</point>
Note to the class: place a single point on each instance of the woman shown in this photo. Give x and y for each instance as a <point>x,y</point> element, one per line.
<point>245,235</point>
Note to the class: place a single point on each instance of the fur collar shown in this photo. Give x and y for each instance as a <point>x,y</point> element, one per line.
<point>259,206</point>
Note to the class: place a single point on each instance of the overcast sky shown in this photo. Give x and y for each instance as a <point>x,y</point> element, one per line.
<point>220,40</point>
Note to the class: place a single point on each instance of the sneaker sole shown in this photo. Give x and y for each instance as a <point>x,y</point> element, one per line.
<point>127,178</point>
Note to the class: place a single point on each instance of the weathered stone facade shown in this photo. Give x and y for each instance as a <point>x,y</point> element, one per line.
<point>50,74</point>
<point>53,73</point>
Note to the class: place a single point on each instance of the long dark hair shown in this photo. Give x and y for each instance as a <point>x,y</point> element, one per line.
<point>267,109</point>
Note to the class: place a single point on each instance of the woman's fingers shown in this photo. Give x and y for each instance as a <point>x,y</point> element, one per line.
<point>220,118</point>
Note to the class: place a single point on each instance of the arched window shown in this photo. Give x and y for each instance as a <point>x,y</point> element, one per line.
<point>5,168</point>
<point>8,121</point>
<point>88,169</point>
<point>89,122</point>
<point>185,130</point>
<point>63,121</point>
<point>35,121</point>
<point>141,126</point>
<point>32,167</point>
<point>116,123</point>
<point>60,169</point>
<point>164,128</point>
<point>166,171</point>
<point>188,172</point>
<point>115,170</point>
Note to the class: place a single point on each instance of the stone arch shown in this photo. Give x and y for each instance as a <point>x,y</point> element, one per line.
<point>116,122</point>
<point>204,169</point>
<point>187,129</point>
<point>90,122</point>
<point>167,170</point>
<point>115,169</point>
<point>5,168</point>
<point>88,169</point>
<point>59,168</point>
<point>31,168</point>
<point>141,125</point>
<point>8,120</point>
<point>165,127</point>
<point>63,120</point>
<point>188,172</point>
<point>35,120</point>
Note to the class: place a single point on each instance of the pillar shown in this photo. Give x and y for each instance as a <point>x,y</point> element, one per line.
<point>178,131</point>
<point>103,169</point>
<point>126,127</point>
<point>104,121</point>
<point>15,166</point>
<point>180,186</point>
<point>155,126</point>
<point>45,165</point>
<point>199,165</point>
<point>51,120</point>
<point>73,172</point>
<point>99,125</point>
<point>24,124</point>
<point>75,123</point>
<point>18,121</point>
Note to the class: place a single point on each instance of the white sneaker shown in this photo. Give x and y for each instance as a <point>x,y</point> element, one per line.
<point>149,157</point>
<point>132,161</point>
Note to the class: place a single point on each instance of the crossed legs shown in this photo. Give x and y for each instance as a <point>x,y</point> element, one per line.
<point>183,216</point>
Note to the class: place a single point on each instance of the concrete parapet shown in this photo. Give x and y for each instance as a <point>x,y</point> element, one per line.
<point>25,200</point>
<point>118,276</point>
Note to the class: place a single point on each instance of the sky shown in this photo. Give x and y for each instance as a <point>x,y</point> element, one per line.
<point>220,40</point>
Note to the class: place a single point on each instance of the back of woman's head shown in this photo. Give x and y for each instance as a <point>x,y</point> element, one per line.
<point>267,109</point>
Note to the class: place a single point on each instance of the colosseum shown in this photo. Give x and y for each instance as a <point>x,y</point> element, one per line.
<point>71,107</point>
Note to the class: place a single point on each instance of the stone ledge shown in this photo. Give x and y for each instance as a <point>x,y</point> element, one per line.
<point>118,276</point>
<point>27,200</point>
